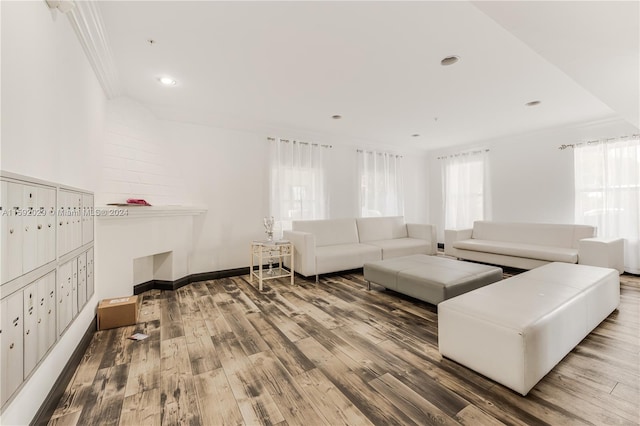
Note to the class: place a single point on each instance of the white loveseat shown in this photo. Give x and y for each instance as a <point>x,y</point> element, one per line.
<point>332,245</point>
<point>529,245</point>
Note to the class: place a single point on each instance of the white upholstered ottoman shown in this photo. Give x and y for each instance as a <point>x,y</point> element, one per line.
<point>516,330</point>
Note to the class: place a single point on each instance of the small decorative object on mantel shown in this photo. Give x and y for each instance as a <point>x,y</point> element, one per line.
<point>131,202</point>
<point>268,227</point>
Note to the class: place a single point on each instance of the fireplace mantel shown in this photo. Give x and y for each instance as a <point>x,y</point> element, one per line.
<point>134,212</point>
<point>137,244</point>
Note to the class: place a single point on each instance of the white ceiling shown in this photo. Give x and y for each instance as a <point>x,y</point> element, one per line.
<point>292,65</point>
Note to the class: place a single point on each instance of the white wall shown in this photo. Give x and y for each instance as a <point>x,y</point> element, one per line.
<point>226,171</point>
<point>52,114</point>
<point>416,189</point>
<point>531,179</point>
<point>52,104</point>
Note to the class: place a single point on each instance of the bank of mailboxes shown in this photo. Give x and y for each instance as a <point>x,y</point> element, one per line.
<point>28,228</point>
<point>40,224</point>
<point>75,285</point>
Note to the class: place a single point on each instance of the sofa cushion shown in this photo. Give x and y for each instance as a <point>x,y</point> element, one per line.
<point>533,251</point>
<point>381,228</point>
<point>500,259</point>
<point>544,234</point>
<point>329,231</point>
<point>341,257</point>
<point>402,247</point>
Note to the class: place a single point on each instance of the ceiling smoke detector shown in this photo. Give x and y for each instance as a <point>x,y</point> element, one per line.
<point>449,60</point>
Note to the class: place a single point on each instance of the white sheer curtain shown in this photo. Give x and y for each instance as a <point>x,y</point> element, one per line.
<point>465,182</point>
<point>298,181</point>
<point>380,179</point>
<point>607,181</point>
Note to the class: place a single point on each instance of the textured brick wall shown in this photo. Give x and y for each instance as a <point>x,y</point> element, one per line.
<point>138,160</point>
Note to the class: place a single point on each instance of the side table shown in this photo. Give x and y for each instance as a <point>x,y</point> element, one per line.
<point>269,251</point>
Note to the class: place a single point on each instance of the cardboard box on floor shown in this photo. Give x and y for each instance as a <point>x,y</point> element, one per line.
<point>117,312</point>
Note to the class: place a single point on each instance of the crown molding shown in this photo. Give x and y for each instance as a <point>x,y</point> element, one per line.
<point>87,23</point>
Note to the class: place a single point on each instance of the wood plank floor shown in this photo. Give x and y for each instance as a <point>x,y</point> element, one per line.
<point>222,353</point>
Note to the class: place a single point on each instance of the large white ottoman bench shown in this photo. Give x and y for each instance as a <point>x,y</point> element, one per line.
<point>515,331</point>
<point>429,278</point>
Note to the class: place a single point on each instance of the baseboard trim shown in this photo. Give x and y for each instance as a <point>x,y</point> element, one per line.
<point>193,278</point>
<point>43,416</point>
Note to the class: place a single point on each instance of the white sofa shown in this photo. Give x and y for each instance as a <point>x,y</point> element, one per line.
<point>529,245</point>
<point>332,245</point>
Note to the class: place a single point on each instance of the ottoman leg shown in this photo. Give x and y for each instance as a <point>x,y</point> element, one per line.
<point>368,285</point>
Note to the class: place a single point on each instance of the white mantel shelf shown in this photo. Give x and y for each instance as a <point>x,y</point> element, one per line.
<point>138,212</point>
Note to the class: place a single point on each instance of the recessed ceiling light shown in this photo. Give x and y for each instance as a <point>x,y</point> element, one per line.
<point>336,117</point>
<point>415,135</point>
<point>449,60</point>
<point>167,81</point>
<point>533,103</point>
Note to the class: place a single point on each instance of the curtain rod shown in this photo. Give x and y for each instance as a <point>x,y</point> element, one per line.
<point>271,139</point>
<point>597,141</point>
<point>379,153</point>
<point>464,153</point>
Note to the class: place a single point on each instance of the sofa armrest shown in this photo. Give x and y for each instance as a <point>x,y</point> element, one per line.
<point>453,235</point>
<point>304,245</point>
<point>424,232</point>
<point>604,252</point>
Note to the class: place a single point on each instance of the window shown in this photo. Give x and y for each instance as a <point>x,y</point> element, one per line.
<point>298,188</point>
<point>380,178</point>
<point>465,193</point>
<point>607,192</point>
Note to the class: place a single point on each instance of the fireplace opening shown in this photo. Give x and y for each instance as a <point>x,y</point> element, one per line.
<point>154,267</point>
